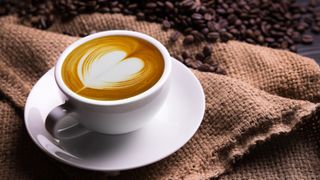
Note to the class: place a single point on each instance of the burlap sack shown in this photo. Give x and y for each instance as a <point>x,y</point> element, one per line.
<point>266,92</point>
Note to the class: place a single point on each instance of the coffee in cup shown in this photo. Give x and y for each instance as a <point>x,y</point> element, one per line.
<point>112,68</point>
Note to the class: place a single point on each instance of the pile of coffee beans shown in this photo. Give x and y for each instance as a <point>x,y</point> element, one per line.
<point>279,24</point>
<point>201,61</point>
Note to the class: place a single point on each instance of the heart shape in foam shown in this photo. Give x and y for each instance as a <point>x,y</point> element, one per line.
<point>108,70</point>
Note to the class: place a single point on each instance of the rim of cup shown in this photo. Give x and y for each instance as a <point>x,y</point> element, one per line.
<point>164,77</point>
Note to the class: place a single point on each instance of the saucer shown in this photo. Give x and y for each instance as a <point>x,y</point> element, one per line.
<point>174,124</point>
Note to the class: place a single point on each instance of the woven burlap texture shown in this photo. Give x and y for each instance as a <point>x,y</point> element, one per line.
<point>265,92</point>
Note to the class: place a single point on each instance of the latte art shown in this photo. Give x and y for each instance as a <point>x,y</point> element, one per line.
<point>112,68</point>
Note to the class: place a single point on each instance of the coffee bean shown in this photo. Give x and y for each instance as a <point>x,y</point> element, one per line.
<point>260,39</point>
<point>140,16</point>
<point>151,5</point>
<point>315,29</point>
<point>221,71</point>
<point>204,67</point>
<point>196,16</point>
<point>249,40</point>
<point>160,4</point>
<point>169,5</point>
<point>234,31</point>
<point>188,39</point>
<point>207,60</point>
<point>269,39</point>
<point>226,36</point>
<point>104,10</point>
<point>115,10</point>
<point>221,11</point>
<point>205,31</point>
<point>198,36</point>
<point>213,36</point>
<point>307,39</point>
<point>185,54</point>
<point>208,17</point>
<point>301,27</point>
<point>199,56</point>
<point>195,64</point>
<point>296,37</point>
<point>179,58</point>
<point>207,51</point>
<point>212,69</point>
<point>188,61</point>
<point>284,45</point>
<point>133,6</point>
<point>293,48</point>
<point>174,36</point>
<point>166,24</point>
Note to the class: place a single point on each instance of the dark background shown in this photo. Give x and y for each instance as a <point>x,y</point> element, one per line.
<point>313,50</point>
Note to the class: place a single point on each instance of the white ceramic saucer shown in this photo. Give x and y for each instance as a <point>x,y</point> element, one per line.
<point>170,129</point>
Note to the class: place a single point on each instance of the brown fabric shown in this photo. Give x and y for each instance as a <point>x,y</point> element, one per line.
<point>266,92</point>
<point>291,156</point>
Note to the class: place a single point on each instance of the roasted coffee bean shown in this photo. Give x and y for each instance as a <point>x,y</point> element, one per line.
<point>199,56</point>
<point>207,51</point>
<point>104,10</point>
<point>169,5</point>
<point>260,39</point>
<point>269,40</point>
<point>284,45</point>
<point>213,36</point>
<point>249,40</point>
<point>207,60</point>
<point>179,58</point>
<point>195,64</point>
<point>226,36</point>
<point>208,17</point>
<point>140,16</point>
<point>166,24</point>
<point>204,67</point>
<point>151,5</point>
<point>315,29</point>
<point>301,27</point>
<point>296,37</point>
<point>196,16</point>
<point>174,36</point>
<point>115,10</point>
<point>188,39</point>
<point>212,69</point>
<point>205,31</point>
<point>185,54</point>
<point>293,48</point>
<point>307,39</point>
<point>219,70</point>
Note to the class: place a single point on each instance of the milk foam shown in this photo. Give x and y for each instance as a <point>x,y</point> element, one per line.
<point>109,69</point>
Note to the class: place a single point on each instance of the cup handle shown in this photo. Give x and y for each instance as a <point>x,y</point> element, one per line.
<point>62,123</point>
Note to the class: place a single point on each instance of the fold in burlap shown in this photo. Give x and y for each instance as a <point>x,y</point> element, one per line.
<point>266,92</point>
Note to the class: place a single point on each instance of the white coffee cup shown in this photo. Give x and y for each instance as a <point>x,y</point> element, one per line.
<point>109,117</point>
